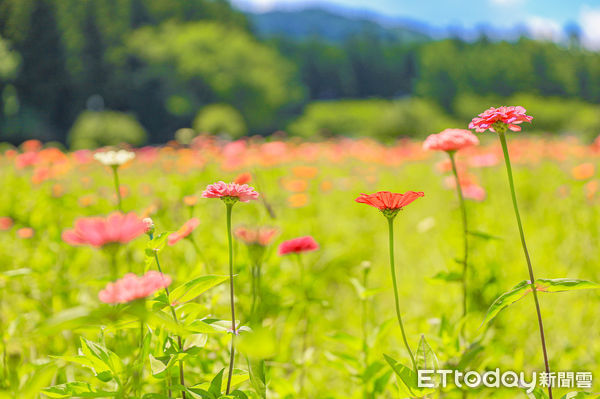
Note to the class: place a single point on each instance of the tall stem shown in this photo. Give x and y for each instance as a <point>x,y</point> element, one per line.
<point>117,187</point>
<point>305,321</point>
<point>463,210</point>
<point>365,332</point>
<point>179,340</point>
<point>231,298</point>
<point>393,270</point>
<point>502,137</point>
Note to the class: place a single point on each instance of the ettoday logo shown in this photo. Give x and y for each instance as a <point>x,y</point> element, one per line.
<point>508,379</point>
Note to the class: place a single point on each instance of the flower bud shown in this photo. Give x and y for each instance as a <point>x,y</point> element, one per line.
<point>148,226</point>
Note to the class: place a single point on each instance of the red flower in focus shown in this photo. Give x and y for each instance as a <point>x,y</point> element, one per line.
<point>450,140</point>
<point>5,223</point>
<point>132,287</point>
<point>261,236</point>
<point>243,178</point>
<point>98,231</point>
<point>183,231</point>
<point>298,245</point>
<point>384,200</point>
<point>242,192</point>
<point>511,116</point>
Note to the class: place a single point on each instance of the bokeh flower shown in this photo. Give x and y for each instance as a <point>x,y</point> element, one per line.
<point>491,118</point>
<point>241,192</point>
<point>114,158</point>
<point>262,236</point>
<point>583,171</point>
<point>243,178</point>
<point>132,287</point>
<point>99,231</point>
<point>5,223</point>
<point>183,231</point>
<point>298,245</point>
<point>25,232</point>
<point>450,140</point>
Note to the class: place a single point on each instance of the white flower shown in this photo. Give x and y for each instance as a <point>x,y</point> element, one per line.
<point>114,158</point>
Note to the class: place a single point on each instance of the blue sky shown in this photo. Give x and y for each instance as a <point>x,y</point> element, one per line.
<point>544,18</point>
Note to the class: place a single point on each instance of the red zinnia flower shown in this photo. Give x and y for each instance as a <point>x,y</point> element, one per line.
<point>511,116</point>
<point>385,200</point>
<point>98,231</point>
<point>450,140</point>
<point>298,245</point>
<point>132,287</point>
<point>242,192</point>
<point>184,231</point>
<point>261,236</point>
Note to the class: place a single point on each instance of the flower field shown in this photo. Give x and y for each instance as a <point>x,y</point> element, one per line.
<point>115,269</point>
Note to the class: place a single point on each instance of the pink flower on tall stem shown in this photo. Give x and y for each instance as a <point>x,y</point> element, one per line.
<point>230,194</point>
<point>98,231</point>
<point>494,118</point>
<point>298,245</point>
<point>450,140</point>
<point>242,192</point>
<point>183,231</point>
<point>132,287</point>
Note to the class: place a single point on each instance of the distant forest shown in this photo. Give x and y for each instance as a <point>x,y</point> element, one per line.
<point>162,62</point>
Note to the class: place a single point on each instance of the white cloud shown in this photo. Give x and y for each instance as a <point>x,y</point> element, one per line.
<point>545,29</point>
<point>589,21</point>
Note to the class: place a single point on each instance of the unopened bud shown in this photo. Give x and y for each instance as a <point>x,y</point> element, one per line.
<point>148,226</point>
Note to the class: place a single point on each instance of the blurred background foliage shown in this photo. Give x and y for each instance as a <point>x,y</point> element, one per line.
<point>166,64</point>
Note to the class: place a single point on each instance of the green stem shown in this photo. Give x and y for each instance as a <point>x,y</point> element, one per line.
<point>305,321</point>
<point>179,340</point>
<point>141,365</point>
<point>463,210</point>
<point>365,332</point>
<point>502,137</point>
<point>117,187</point>
<point>231,298</point>
<point>393,270</point>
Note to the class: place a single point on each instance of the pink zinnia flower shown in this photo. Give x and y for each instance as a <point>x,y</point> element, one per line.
<point>383,200</point>
<point>5,223</point>
<point>183,231</point>
<point>99,231</point>
<point>132,287</point>
<point>298,245</point>
<point>450,140</point>
<point>474,192</point>
<point>261,236</point>
<point>242,192</point>
<point>511,116</point>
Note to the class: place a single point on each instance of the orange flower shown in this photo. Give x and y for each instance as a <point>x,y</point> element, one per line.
<point>583,171</point>
<point>190,200</point>
<point>389,203</point>
<point>25,232</point>
<point>305,172</point>
<point>298,200</point>
<point>243,178</point>
<point>294,185</point>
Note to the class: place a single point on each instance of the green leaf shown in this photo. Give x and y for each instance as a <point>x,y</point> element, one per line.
<point>216,384</point>
<point>256,370</point>
<point>426,358</point>
<point>448,276</point>
<point>485,236</point>
<point>507,299</point>
<point>409,379</point>
<point>541,285</point>
<point>157,243</point>
<point>190,290</point>
<point>580,395</point>
<point>563,284</point>
<point>102,359</point>
<point>76,389</point>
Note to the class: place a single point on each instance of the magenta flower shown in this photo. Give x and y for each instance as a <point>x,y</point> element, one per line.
<point>450,140</point>
<point>132,287</point>
<point>489,119</point>
<point>98,231</point>
<point>242,192</point>
<point>183,231</point>
<point>298,245</point>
